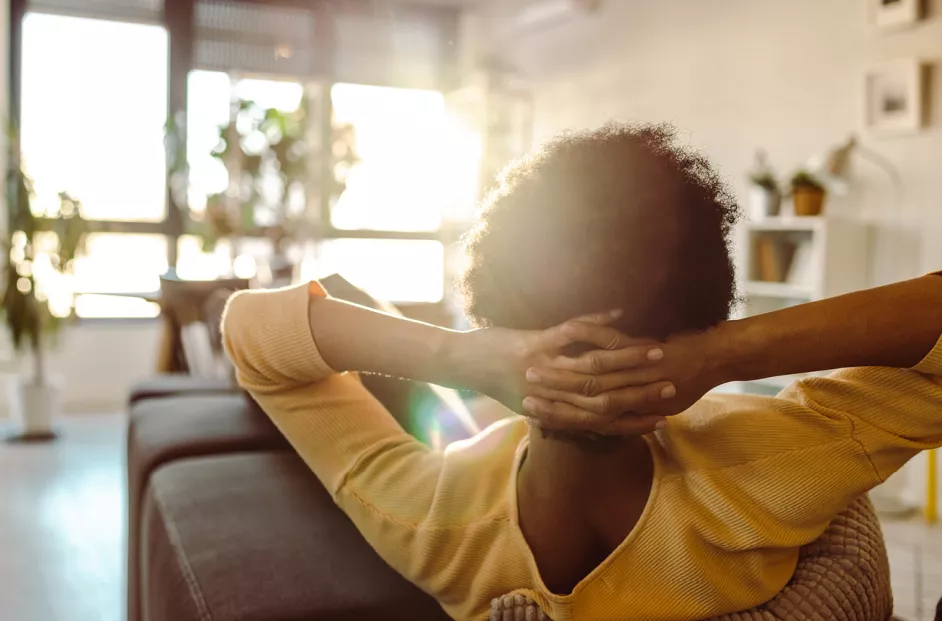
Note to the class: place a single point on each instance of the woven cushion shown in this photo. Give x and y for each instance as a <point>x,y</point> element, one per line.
<point>844,574</point>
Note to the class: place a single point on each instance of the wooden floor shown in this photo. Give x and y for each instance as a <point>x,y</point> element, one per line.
<point>62,532</point>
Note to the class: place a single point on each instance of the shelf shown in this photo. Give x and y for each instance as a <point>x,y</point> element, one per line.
<point>779,290</point>
<point>787,223</point>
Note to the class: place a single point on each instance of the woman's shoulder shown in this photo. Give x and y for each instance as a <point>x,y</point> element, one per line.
<point>477,473</point>
<point>729,430</point>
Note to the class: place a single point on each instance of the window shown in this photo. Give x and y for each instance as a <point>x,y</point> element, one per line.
<point>94,104</point>
<point>408,178</point>
<point>209,102</point>
<point>94,107</point>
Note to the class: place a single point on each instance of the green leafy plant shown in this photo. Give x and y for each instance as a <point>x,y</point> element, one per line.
<point>806,180</point>
<point>267,155</point>
<point>40,249</point>
<point>765,181</point>
<point>762,174</point>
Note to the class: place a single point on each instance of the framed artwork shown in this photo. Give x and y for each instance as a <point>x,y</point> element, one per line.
<point>893,14</point>
<point>894,94</point>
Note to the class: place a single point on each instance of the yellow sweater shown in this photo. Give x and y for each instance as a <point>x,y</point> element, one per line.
<point>741,482</point>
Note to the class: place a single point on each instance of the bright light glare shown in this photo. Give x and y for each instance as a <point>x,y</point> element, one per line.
<point>414,166</point>
<point>121,263</point>
<point>112,306</point>
<point>394,270</point>
<point>93,125</point>
<point>94,104</point>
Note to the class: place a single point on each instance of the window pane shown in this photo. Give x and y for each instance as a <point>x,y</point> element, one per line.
<point>121,263</point>
<point>401,182</point>
<point>210,97</point>
<point>393,270</point>
<point>94,104</point>
<point>207,109</point>
<point>90,306</point>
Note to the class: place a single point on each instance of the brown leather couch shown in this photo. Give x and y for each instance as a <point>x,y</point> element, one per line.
<point>226,523</point>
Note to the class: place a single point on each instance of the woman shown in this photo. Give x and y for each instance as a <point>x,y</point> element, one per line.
<point>606,509</point>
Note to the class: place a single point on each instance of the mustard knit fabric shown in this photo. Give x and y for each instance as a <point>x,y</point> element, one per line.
<point>741,481</point>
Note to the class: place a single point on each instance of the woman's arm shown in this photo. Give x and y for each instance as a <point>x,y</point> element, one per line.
<point>492,361</point>
<point>892,326</point>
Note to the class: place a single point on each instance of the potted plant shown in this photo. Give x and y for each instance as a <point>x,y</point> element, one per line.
<point>808,194</point>
<point>39,250</point>
<point>765,199</point>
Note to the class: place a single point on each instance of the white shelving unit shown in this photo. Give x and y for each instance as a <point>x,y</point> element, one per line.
<point>792,260</point>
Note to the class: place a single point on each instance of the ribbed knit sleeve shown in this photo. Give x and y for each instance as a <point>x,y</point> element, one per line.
<point>345,435</point>
<point>894,413</point>
<point>268,338</point>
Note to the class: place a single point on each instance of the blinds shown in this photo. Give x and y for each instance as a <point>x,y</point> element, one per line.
<point>391,47</point>
<point>276,41</point>
<point>383,42</point>
<point>128,10</point>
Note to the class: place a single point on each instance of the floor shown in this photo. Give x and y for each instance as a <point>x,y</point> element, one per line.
<point>62,532</point>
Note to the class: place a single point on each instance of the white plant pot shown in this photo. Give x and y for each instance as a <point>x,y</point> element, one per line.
<point>763,203</point>
<point>34,408</point>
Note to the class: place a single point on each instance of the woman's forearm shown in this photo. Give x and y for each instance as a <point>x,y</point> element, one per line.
<point>354,338</point>
<point>895,326</point>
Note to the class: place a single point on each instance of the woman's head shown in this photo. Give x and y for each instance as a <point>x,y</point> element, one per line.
<point>617,217</point>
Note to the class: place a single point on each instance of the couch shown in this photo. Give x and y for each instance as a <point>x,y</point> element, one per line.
<point>226,523</point>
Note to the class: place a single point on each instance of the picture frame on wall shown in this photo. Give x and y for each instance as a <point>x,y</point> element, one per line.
<point>894,97</point>
<point>895,14</point>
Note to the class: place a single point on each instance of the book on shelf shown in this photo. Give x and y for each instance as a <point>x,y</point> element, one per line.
<point>774,258</point>
<point>800,270</point>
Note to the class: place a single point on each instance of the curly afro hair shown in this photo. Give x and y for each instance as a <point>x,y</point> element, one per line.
<point>617,217</point>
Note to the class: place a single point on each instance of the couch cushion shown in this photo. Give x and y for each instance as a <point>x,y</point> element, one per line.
<point>256,537</point>
<point>163,430</point>
<point>173,384</point>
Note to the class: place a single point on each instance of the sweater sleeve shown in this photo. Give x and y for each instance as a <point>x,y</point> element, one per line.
<point>382,477</point>
<point>894,413</point>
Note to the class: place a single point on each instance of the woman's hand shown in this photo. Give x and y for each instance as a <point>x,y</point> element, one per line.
<point>606,390</point>
<point>495,362</point>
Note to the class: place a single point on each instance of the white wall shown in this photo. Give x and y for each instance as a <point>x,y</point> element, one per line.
<point>97,361</point>
<point>736,75</point>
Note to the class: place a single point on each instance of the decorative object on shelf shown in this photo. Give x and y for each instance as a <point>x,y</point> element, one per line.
<point>807,193</point>
<point>833,167</point>
<point>765,198</point>
<point>895,14</point>
<point>894,97</point>
<point>39,253</point>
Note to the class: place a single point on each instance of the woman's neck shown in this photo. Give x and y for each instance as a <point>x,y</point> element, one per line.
<point>576,505</point>
<point>561,467</point>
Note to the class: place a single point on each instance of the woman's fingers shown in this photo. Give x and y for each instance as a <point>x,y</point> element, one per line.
<point>602,336</point>
<point>591,385</point>
<point>609,404</point>
<point>560,336</point>
<point>560,416</point>
<point>601,361</point>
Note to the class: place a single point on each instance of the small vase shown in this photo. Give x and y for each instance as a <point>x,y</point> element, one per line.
<point>808,201</point>
<point>763,203</point>
<point>34,408</point>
